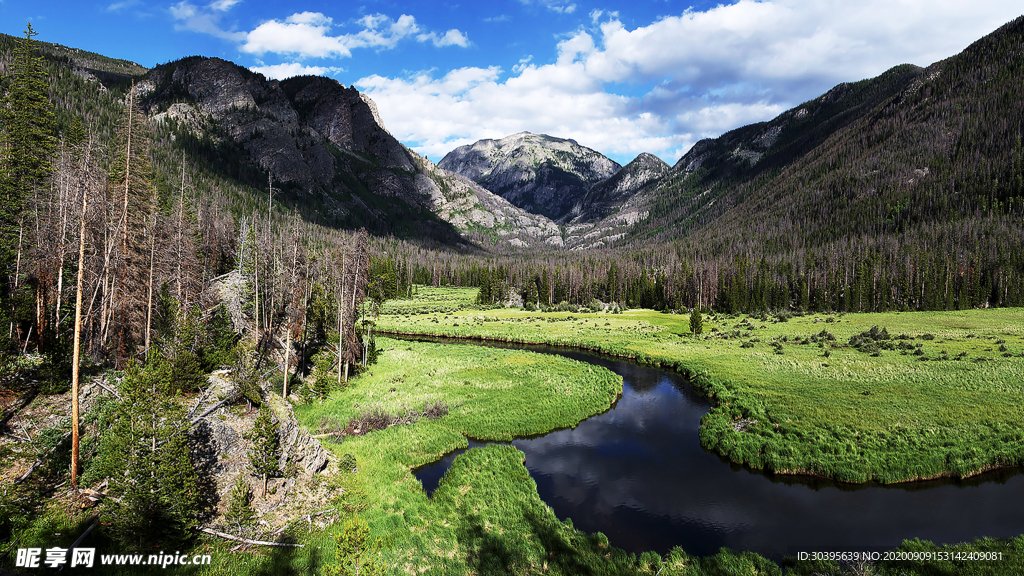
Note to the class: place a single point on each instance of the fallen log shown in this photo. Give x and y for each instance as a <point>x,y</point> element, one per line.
<point>226,536</point>
<point>93,521</point>
<point>41,459</point>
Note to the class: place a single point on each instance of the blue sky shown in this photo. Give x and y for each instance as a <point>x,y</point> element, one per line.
<point>622,77</point>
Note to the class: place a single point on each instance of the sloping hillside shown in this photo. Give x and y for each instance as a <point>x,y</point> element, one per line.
<point>911,147</point>
<point>324,146</point>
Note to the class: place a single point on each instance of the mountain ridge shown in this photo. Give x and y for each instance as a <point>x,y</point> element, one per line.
<point>324,144</point>
<point>849,149</point>
<point>542,174</point>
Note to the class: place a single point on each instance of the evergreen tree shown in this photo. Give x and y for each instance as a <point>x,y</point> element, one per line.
<point>221,339</point>
<point>355,553</point>
<point>239,515</point>
<point>146,457</point>
<point>696,322</point>
<point>28,127</point>
<point>263,455</point>
<point>530,293</point>
<point>484,296</point>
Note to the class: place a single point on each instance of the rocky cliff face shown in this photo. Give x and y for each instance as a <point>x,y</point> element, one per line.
<point>325,146</point>
<point>470,206</point>
<point>610,194</point>
<point>541,174</point>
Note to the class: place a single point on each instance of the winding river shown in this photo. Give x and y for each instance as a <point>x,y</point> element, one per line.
<point>638,474</point>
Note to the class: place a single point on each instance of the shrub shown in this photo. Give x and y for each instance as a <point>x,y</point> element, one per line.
<point>347,462</point>
<point>355,553</point>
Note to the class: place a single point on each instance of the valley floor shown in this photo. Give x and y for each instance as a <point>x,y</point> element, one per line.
<point>818,393</point>
<point>888,397</point>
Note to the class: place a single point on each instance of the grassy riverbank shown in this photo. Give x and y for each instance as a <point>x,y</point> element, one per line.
<point>934,394</point>
<point>486,512</point>
<point>486,516</point>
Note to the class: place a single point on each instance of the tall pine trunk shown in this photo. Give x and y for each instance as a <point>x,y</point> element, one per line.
<point>76,351</point>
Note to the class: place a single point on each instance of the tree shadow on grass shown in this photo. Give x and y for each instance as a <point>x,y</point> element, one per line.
<point>489,552</point>
<point>578,553</point>
<point>288,561</point>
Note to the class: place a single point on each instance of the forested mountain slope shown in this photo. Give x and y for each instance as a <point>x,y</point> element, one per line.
<point>320,144</point>
<point>900,191</point>
<point>911,147</point>
<point>324,145</point>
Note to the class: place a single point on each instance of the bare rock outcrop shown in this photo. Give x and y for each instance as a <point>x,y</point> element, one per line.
<point>539,173</point>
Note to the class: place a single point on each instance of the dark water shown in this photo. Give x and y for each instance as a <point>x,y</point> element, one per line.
<point>638,474</point>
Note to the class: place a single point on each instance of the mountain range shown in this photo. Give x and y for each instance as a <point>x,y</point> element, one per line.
<point>911,146</point>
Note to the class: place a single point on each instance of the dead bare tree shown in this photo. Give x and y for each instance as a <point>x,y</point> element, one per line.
<point>295,301</point>
<point>356,272</point>
<point>133,179</point>
<point>88,178</point>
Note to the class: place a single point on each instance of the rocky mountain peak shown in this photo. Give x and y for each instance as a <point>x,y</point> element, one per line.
<point>327,150</point>
<point>610,194</point>
<point>539,173</point>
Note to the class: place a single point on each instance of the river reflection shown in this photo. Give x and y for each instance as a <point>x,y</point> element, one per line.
<point>638,474</point>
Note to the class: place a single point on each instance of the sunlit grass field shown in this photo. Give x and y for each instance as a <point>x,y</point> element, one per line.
<point>941,395</point>
<point>428,299</point>
<point>491,394</point>
<point>485,516</point>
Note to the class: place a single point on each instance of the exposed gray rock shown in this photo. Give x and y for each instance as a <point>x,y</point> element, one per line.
<point>223,437</point>
<point>468,205</point>
<point>539,173</point>
<point>296,443</point>
<point>326,141</point>
<point>607,196</point>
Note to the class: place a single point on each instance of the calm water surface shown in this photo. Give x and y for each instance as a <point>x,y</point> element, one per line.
<point>638,474</point>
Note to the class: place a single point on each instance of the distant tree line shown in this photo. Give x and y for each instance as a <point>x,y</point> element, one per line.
<point>951,266</point>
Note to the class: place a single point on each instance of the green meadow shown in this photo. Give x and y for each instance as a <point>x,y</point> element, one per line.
<point>485,516</point>
<point>887,397</point>
<point>486,511</point>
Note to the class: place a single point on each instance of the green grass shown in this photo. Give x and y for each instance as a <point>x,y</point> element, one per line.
<point>486,511</point>
<point>851,415</point>
<point>428,300</point>
<point>486,516</point>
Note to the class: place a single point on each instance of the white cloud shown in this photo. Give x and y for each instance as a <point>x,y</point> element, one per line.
<point>596,15</point>
<point>788,41</point>
<point>452,37</point>
<point>468,104</point>
<point>118,6</point>
<point>304,34</point>
<point>223,5</point>
<point>308,35</point>
<point>290,69</point>
<point>682,77</point>
<point>192,18</point>
<point>552,5</point>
